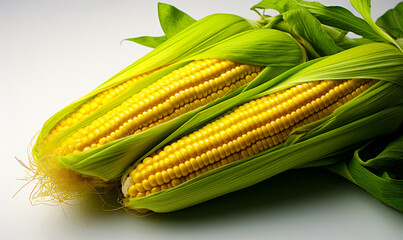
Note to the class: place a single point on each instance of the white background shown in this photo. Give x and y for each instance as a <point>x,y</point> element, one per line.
<point>53,52</point>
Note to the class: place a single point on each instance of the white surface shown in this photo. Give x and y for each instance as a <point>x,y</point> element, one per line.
<point>52,52</point>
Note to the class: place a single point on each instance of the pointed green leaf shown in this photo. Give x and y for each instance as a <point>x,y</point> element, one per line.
<point>392,21</point>
<point>172,19</point>
<point>364,8</point>
<point>147,41</point>
<point>310,31</point>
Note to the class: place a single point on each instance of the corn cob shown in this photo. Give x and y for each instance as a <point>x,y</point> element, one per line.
<point>181,91</point>
<point>253,127</point>
<point>298,119</point>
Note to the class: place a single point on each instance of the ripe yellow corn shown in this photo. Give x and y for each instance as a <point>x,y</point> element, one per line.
<point>181,91</point>
<point>251,128</point>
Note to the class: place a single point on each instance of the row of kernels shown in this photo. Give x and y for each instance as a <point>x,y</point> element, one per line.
<point>93,104</point>
<point>150,116</point>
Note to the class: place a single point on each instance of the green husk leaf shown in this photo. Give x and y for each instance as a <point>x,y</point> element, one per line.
<point>265,47</point>
<point>365,61</point>
<point>384,154</point>
<point>392,21</point>
<point>148,41</point>
<point>377,167</point>
<point>338,131</point>
<point>334,16</point>
<point>364,8</point>
<point>348,43</point>
<point>310,31</point>
<point>172,21</point>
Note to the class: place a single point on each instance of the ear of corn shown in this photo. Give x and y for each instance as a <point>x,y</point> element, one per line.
<point>96,138</point>
<point>251,128</point>
<point>218,159</point>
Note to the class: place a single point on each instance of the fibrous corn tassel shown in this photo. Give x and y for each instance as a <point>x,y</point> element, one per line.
<point>181,91</point>
<point>251,128</point>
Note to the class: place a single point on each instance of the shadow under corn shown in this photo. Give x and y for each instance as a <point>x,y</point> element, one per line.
<point>289,189</point>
